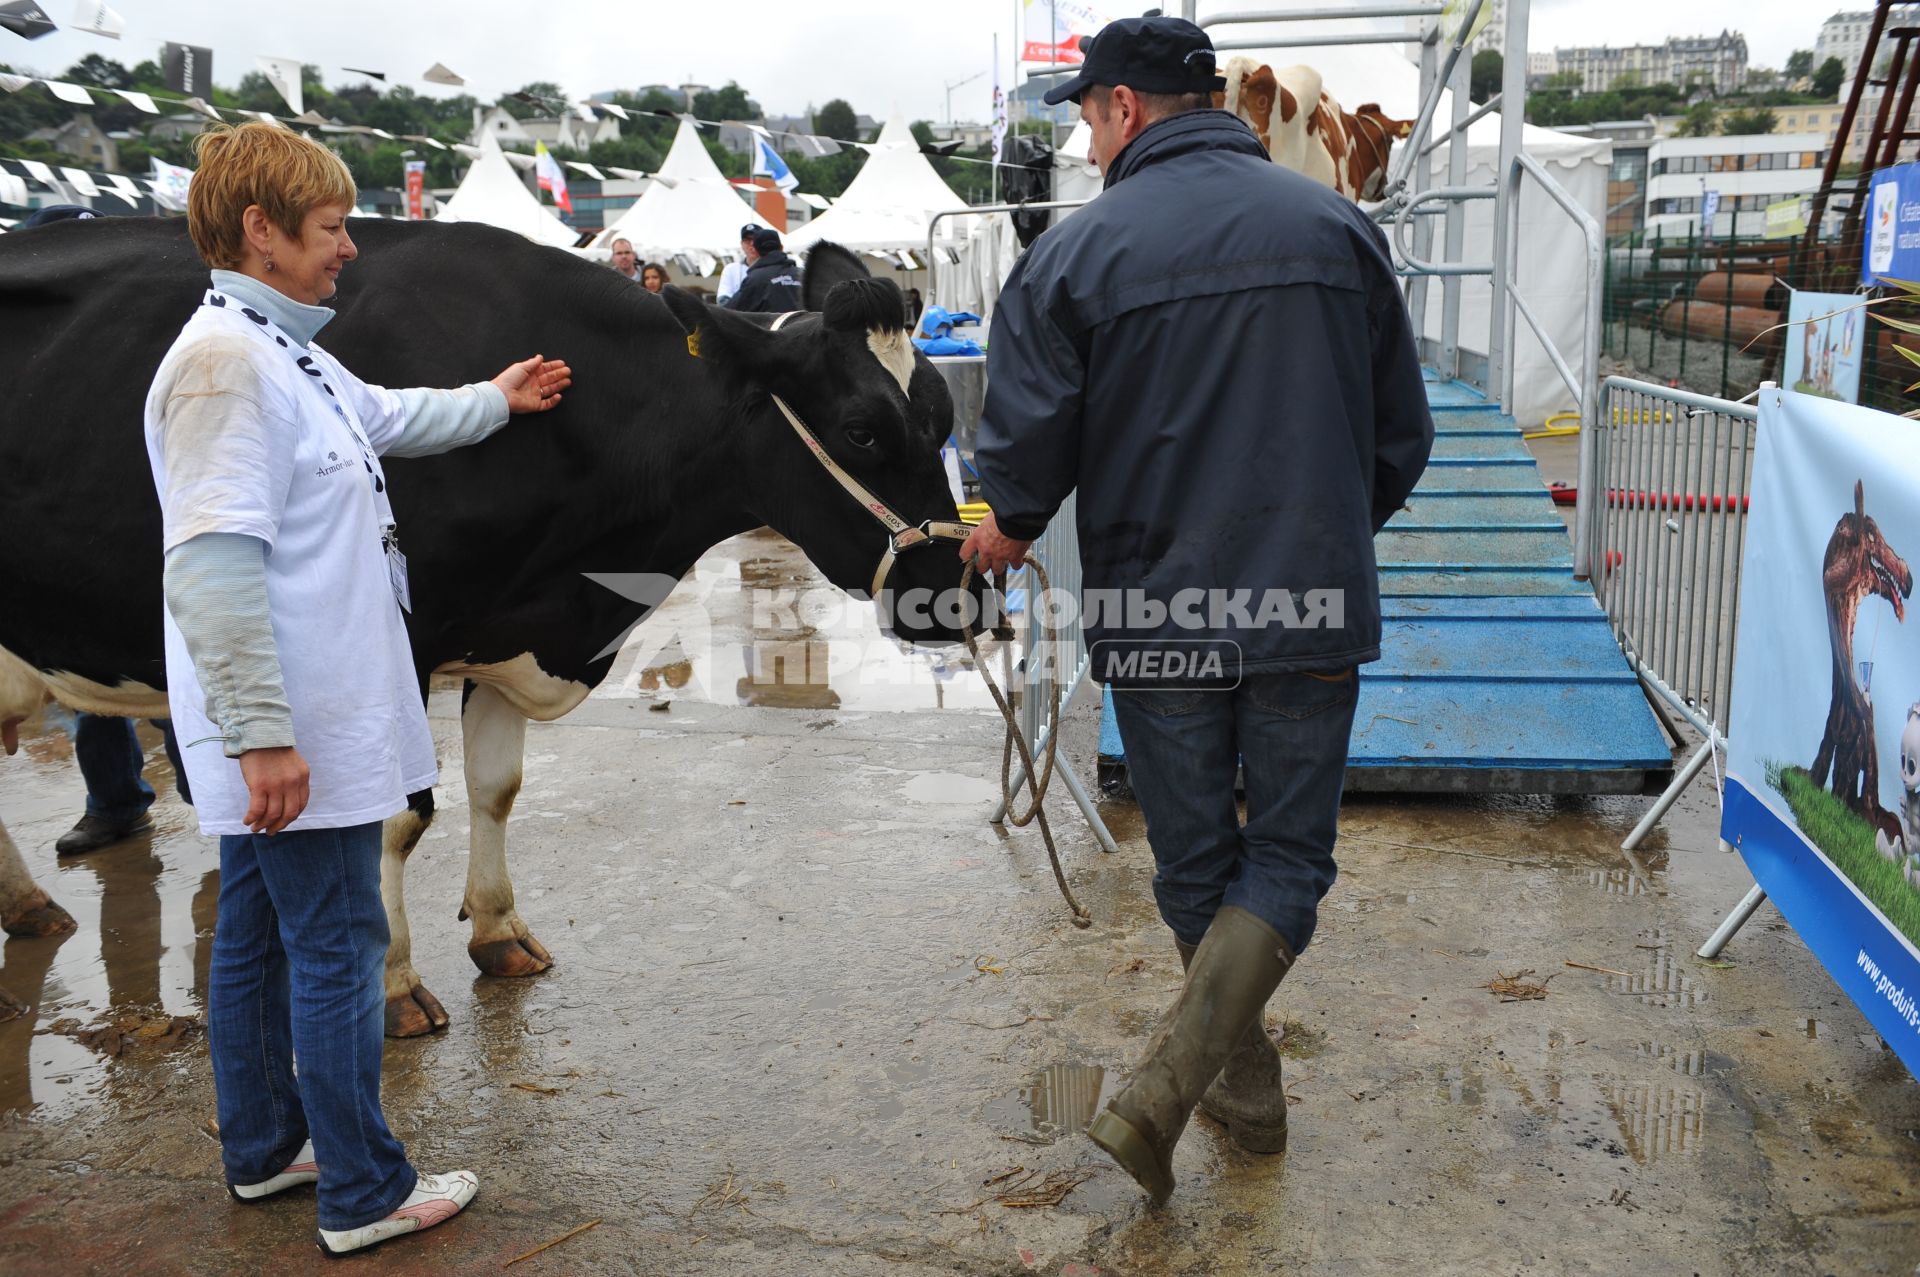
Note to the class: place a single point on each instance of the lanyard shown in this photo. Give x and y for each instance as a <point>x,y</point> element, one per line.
<point>312,373</point>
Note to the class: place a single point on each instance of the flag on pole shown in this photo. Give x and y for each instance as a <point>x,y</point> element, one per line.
<point>97,19</point>
<point>284,75</point>
<point>26,19</point>
<point>552,178</point>
<point>767,163</point>
<point>999,104</point>
<point>169,184</point>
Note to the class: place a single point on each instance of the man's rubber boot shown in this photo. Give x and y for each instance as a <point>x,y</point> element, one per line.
<point>1236,968</point>
<point>1248,1097</point>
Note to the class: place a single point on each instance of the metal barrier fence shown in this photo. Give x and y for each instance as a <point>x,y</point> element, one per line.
<point>1036,669</point>
<point>1663,506</point>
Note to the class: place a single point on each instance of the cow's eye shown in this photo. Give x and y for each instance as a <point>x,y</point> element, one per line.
<point>860,438</point>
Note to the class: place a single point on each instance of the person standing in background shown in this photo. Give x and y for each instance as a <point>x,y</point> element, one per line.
<point>623,260</point>
<point>736,272</point>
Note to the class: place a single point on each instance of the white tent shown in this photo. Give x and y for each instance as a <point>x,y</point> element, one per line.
<point>690,209</point>
<point>1551,273</point>
<point>493,193</point>
<point>890,203</point>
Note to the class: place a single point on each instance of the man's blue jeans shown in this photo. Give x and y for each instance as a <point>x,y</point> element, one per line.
<point>1288,733</point>
<point>110,759</point>
<point>298,955</point>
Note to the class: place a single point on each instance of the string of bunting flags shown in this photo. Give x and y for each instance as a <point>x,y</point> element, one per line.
<point>188,72</point>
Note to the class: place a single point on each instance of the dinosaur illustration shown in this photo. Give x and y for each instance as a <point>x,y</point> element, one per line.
<point>1859,564</point>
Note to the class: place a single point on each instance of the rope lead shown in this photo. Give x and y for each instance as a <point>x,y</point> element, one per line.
<point>1037,779</point>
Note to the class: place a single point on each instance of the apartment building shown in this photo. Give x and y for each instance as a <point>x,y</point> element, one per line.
<point>1746,172</point>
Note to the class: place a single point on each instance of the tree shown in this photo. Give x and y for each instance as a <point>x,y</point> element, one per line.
<point>1826,81</point>
<point>729,103</point>
<point>1564,80</point>
<point>1699,121</point>
<point>1742,123</point>
<point>837,120</point>
<point>1488,67</point>
<point>1626,82</point>
<point>1799,64</point>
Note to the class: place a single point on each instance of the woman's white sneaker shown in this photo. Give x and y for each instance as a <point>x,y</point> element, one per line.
<point>302,1170</point>
<point>434,1200</point>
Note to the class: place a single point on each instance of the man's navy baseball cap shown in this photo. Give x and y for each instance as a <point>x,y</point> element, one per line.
<point>55,213</point>
<point>1148,55</point>
<point>750,230</point>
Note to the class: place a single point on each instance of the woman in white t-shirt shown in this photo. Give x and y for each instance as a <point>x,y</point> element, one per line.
<point>288,669</point>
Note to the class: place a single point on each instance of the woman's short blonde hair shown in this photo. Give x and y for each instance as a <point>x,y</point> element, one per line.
<point>287,174</point>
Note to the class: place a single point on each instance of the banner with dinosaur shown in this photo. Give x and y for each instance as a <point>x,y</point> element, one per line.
<point>1823,757</point>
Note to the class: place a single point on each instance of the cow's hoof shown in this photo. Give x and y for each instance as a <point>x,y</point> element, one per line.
<point>38,916</point>
<point>11,1008</point>
<point>415,1014</point>
<point>511,957</point>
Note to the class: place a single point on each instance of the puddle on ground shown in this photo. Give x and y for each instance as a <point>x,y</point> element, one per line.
<point>1060,1102</point>
<point>1656,1120</point>
<point>1663,983</point>
<point>144,938</point>
<point>755,623</point>
<point>950,787</point>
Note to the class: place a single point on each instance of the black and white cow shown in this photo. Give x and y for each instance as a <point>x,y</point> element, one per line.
<point>657,455</point>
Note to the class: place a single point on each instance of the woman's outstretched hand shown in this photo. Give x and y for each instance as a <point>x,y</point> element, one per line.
<point>534,385</point>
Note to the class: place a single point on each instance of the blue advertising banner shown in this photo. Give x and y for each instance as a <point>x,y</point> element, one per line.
<point>1823,760</point>
<point>1893,225</point>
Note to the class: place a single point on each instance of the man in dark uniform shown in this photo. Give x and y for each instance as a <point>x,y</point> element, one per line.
<point>1216,354</point>
<point>772,282</point>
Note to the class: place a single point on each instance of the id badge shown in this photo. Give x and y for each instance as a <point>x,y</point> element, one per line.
<point>397,576</point>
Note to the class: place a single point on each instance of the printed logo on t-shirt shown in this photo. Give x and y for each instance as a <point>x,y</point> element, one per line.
<point>334,466</point>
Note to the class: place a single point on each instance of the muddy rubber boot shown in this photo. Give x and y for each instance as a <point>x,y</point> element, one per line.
<point>1235,970</point>
<point>1248,1097</point>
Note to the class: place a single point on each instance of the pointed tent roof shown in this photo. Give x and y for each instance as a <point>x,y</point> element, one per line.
<point>492,193</point>
<point>890,202</point>
<point>695,209</point>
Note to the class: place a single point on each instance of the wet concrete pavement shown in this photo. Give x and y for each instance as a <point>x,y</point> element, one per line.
<point>807,1004</point>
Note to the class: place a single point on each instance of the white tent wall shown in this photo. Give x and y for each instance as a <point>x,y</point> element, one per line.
<point>492,192</point>
<point>690,211</point>
<point>982,263</point>
<point>890,203</point>
<point>1550,263</point>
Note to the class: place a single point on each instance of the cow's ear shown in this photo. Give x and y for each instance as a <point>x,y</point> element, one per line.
<point>828,265</point>
<point>716,333</point>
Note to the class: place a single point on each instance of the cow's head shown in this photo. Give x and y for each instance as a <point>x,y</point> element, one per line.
<point>1252,93</point>
<point>1371,135</point>
<point>878,407</point>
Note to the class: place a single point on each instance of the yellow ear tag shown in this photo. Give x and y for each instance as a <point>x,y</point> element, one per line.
<point>693,343</point>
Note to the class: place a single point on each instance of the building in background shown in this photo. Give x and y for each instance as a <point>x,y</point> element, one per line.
<point>568,131</point>
<point>82,141</point>
<point>1844,36</point>
<point>1718,63</point>
<point>1748,172</point>
<point>1626,172</point>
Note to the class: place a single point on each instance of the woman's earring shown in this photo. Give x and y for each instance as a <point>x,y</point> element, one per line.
<point>269,265</point>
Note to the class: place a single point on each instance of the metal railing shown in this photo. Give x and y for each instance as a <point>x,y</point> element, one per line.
<point>1663,502</point>
<point>1036,669</point>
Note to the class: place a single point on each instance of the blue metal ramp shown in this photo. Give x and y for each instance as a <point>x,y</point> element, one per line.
<point>1498,673</point>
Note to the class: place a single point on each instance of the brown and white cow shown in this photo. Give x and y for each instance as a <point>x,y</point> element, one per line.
<point>1304,129</point>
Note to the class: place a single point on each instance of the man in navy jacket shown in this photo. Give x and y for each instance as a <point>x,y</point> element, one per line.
<point>1216,354</point>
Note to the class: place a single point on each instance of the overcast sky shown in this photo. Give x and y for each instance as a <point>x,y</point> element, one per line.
<point>877,54</point>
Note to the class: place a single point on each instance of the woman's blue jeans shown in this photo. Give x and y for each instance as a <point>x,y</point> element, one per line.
<point>1288,734</point>
<point>299,951</point>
